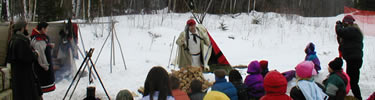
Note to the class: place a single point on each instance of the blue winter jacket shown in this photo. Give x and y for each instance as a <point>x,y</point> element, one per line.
<point>227,88</point>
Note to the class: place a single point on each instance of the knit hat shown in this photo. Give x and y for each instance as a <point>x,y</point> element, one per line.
<point>348,19</point>
<point>253,67</point>
<point>19,25</point>
<point>215,95</point>
<point>336,64</point>
<point>263,64</point>
<point>275,82</point>
<point>305,69</point>
<point>191,22</point>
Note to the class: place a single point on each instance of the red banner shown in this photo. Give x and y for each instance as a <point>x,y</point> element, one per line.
<point>364,19</point>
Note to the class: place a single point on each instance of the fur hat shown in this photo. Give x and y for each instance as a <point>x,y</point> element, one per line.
<point>19,25</point>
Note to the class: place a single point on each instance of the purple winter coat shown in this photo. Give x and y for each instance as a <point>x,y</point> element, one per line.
<point>311,56</point>
<point>254,81</point>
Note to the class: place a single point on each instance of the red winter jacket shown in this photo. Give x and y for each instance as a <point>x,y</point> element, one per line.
<point>180,95</point>
<point>275,86</point>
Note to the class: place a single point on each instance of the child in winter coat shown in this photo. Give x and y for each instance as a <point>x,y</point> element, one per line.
<point>311,56</point>
<point>335,84</point>
<point>157,85</point>
<point>289,75</point>
<point>264,67</point>
<point>236,79</point>
<point>306,88</point>
<point>275,85</point>
<point>176,92</point>
<point>254,81</point>
<point>216,95</point>
<point>196,90</point>
<point>222,85</point>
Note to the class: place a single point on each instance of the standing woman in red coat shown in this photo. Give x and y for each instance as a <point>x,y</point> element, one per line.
<point>43,68</point>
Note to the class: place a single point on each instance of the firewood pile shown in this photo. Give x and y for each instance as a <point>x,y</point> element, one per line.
<point>187,75</point>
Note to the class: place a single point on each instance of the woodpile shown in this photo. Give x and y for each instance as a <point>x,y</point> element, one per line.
<point>187,75</point>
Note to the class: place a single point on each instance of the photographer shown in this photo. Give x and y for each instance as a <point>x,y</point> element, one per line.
<point>350,40</point>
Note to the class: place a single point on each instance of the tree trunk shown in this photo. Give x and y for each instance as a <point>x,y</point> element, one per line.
<point>222,6</point>
<point>235,6</point>
<point>4,10</point>
<point>61,3</point>
<point>30,10</point>
<point>169,5</point>
<point>83,9</point>
<point>88,9</point>
<point>23,10</point>
<point>174,6</point>
<point>101,8</point>
<point>78,8</point>
<point>255,1</point>
<point>248,8</point>
<point>34,12</point>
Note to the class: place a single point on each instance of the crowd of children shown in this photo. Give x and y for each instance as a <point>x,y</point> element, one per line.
<point>262,84</point>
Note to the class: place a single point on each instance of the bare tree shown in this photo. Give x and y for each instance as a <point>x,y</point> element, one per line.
<point>255,1</point>
<point>248,7</point>
<point>235,4</point>
<point>34,10</point>
<point>169,5</point>
<point>78,7</point>
<point>88,9</point>
<point>24,12</point>
<point>231,6</point>
<point>174,6</point>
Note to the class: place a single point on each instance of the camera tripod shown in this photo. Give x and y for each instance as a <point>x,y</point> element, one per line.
<point>85,64</point>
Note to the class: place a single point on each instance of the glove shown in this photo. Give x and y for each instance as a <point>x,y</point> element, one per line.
<point>339,22</point>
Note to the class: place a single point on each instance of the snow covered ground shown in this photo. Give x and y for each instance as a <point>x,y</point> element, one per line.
<point>279,38</point>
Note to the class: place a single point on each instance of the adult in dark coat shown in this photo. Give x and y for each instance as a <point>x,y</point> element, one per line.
<point>20,55</point>
<point>350,40</point>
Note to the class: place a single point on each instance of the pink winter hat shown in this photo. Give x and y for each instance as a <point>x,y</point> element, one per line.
<point>305,69</point>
